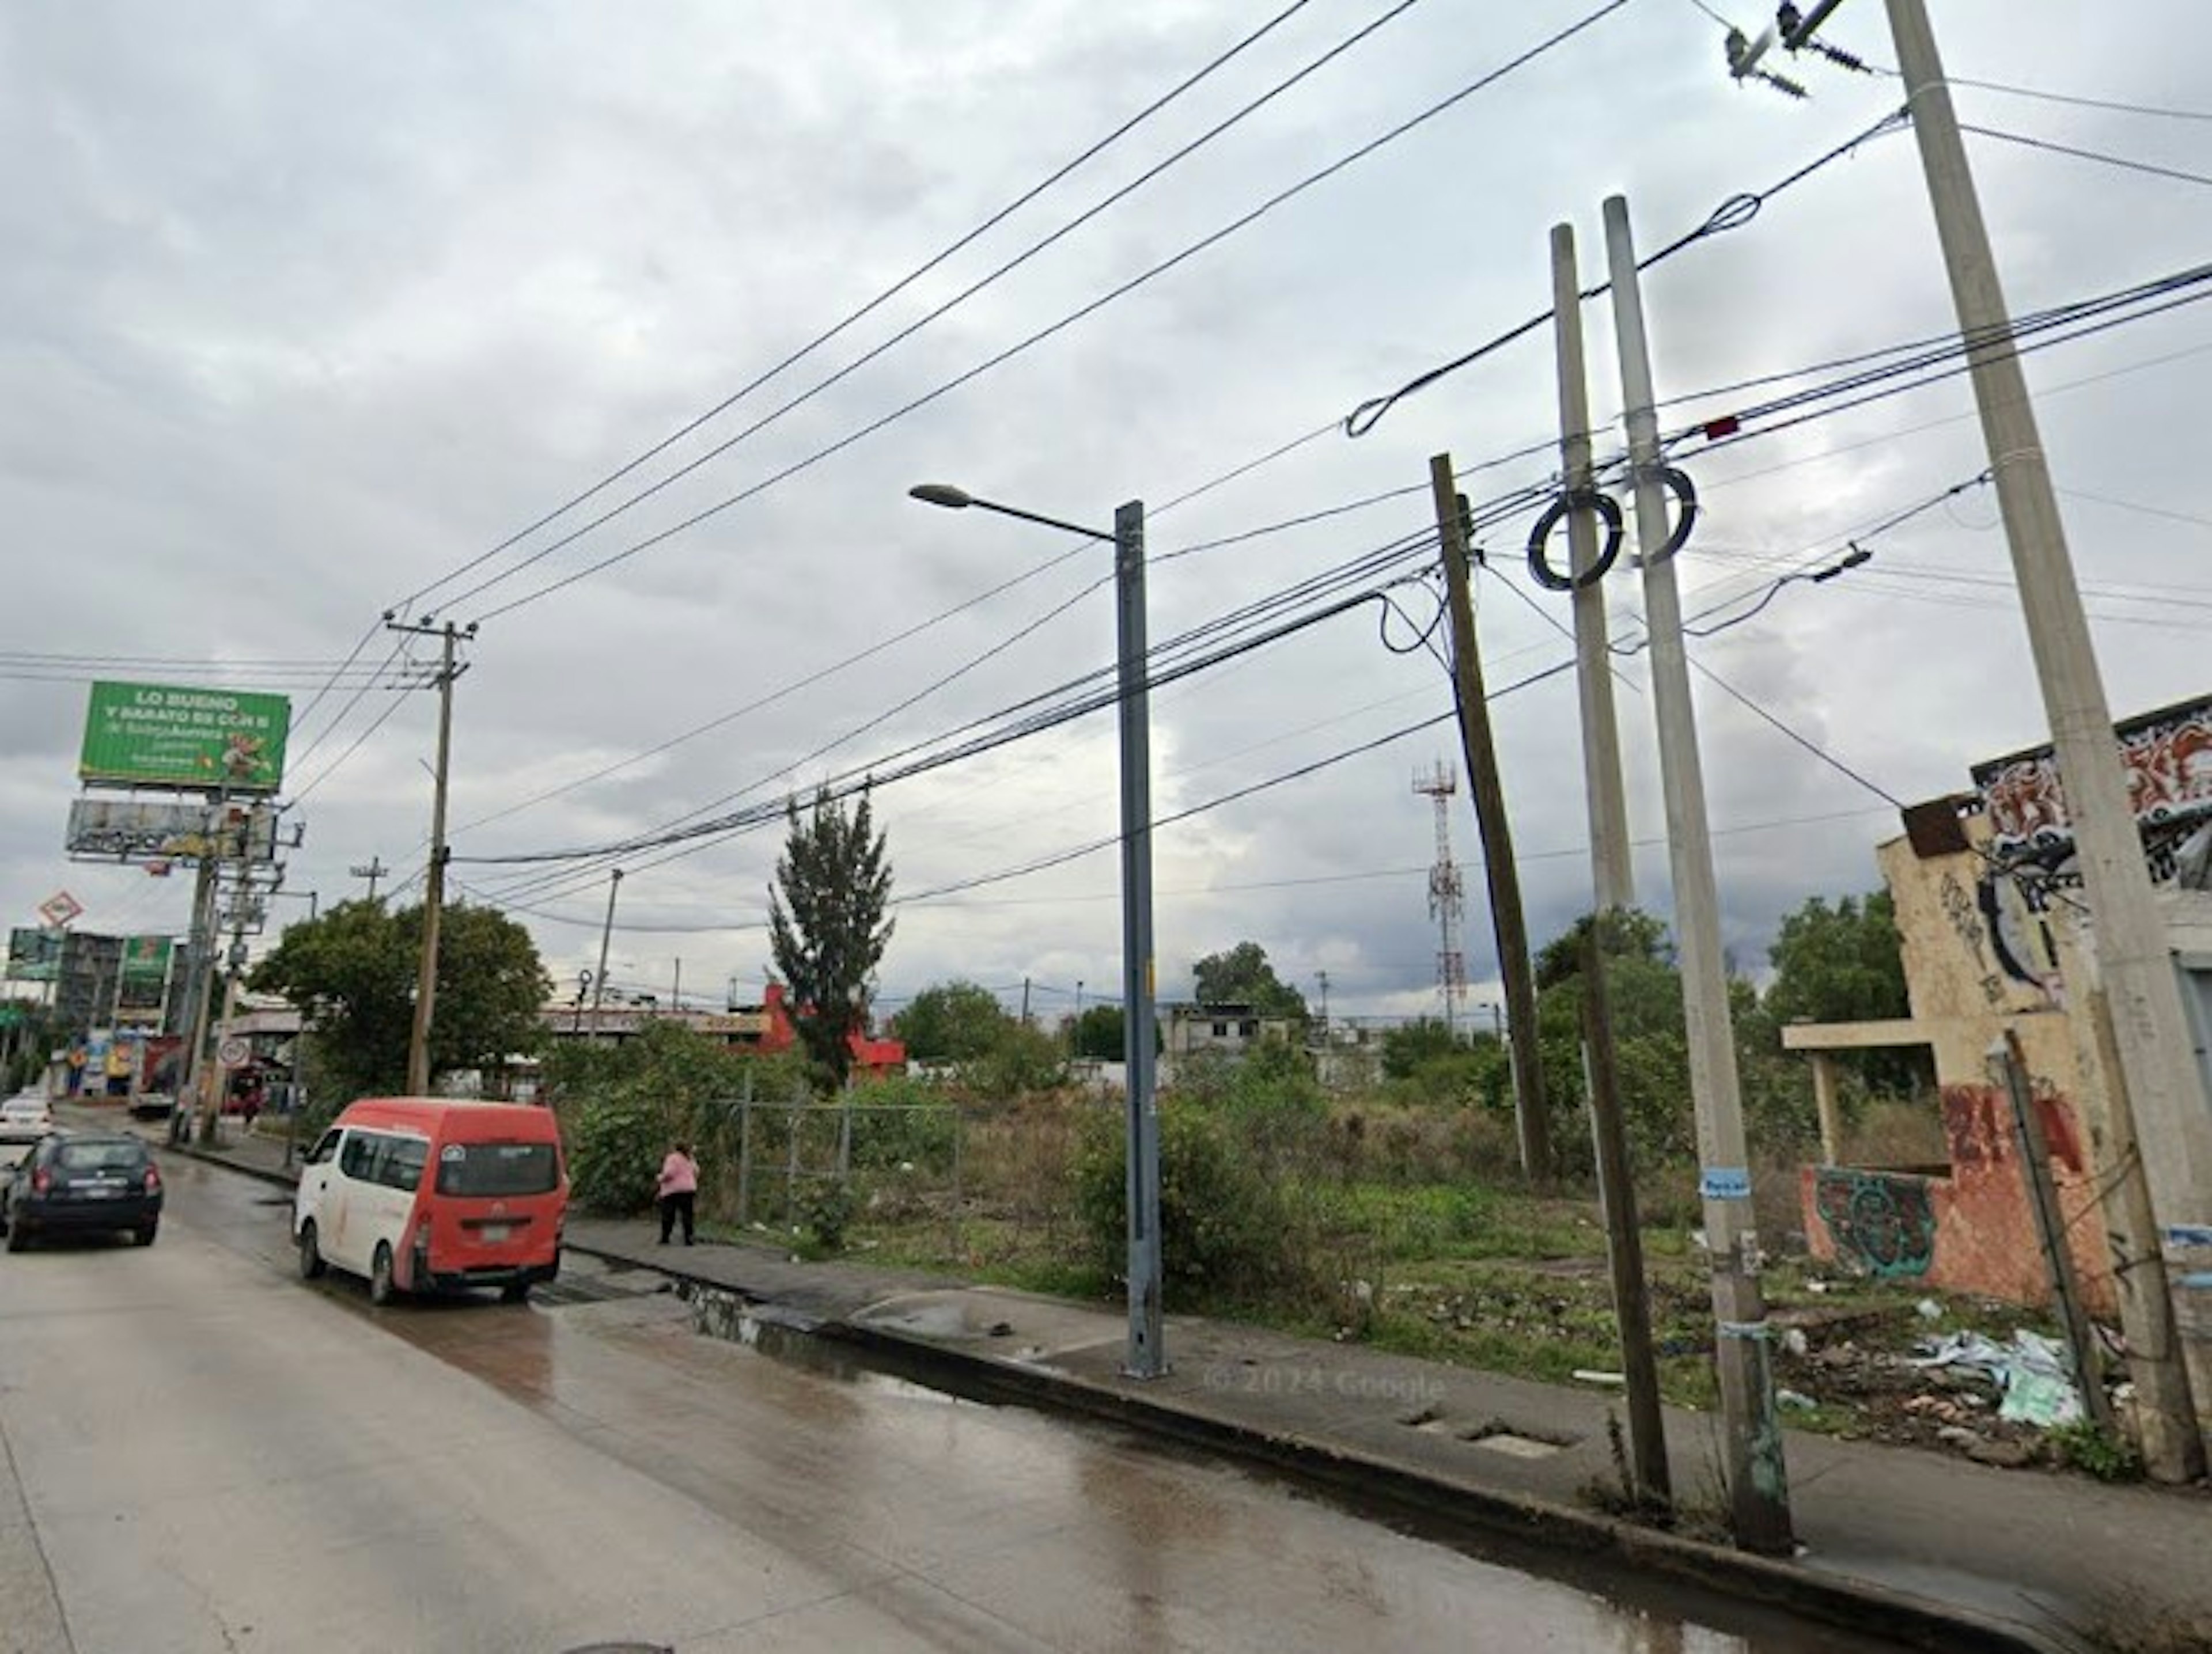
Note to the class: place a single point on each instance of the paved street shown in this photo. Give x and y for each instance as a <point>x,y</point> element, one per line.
<point>203,1453</point>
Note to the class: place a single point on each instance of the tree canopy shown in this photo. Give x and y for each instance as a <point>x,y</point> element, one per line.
<point>1846,963</point>
<point>1241,976</point>
<point>827,932</point>
<point>1101,1034</point>
<point>953,1021</point>
<point>352,971</point>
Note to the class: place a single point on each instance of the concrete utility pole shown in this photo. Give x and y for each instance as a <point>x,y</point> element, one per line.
<point>373,869</point>
<point>1507,923</point>
<point>1759,1487</point>
<point>433,882</point>
<point>606,936</point>
<point>199,978</point>
<point>2133,960</point>
<point>1612,872</point>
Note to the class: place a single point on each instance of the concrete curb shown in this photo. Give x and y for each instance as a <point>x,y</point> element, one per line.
<point>216,1157</point>
<point>1836,1599</point>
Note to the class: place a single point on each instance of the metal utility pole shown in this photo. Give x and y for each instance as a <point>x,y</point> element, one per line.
<point>606,936</point>
<point>1612,872</point>
<point>1507,923</point>
<point>1759,1487</point>
<point>1624,1238</point>
<point>373,870</point>
<point>2132,960</point>
<point>1147,1352</point>
<point>1147,1356</point>
<point>433,882</point>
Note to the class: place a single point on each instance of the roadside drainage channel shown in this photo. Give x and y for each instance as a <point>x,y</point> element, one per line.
<point>1540,1537</point>
<point>1579,1547</point>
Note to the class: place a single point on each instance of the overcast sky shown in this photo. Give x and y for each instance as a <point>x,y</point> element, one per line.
<point>306,306</point>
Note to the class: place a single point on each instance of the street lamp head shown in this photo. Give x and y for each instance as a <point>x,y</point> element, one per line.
<point>941,494</point>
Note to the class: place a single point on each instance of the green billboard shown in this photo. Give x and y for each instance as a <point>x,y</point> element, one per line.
<point>34,955</point>
<point>150,735</point>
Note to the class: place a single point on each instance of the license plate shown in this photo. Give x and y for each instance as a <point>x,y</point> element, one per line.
<point>102,1191</point>
<point>492,1232</point>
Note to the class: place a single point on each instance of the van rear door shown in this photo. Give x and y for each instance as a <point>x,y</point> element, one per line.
<point>497,1203</point>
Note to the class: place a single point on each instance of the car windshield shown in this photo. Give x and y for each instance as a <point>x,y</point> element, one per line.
<point>497,1169</point>
<point>77,1155</point>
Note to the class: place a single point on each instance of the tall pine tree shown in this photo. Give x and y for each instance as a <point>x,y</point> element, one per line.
<point>826,926</point>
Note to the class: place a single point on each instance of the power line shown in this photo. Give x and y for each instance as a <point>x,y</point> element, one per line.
<point>335,764</point>
<point>2112,105</point>
<point>1369,565</point>
<point>2099,156</point>
<point>1030,341</point>
<point>935,313</point>
<point>1056,175</point>
<point>1732,214</point>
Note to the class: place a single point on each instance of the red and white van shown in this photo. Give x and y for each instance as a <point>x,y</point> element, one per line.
<point>423,1194</point>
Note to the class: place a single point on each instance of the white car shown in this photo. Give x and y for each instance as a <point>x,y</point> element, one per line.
<point>25,1118</point>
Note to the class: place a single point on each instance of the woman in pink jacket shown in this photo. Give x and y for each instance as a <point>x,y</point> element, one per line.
<point>679,1190</point>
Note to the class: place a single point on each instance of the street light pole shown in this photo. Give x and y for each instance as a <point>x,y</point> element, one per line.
<point>1146,1355</point>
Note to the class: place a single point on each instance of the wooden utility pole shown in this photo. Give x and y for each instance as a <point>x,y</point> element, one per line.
<point>373,869</point>
<point>1624,1239</point>
<point>1507,923</point>
<point>434,882</point>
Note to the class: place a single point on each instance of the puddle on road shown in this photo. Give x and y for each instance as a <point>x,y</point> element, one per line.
<point>790,1340</point>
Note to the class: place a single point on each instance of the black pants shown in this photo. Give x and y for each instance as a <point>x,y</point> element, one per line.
<point>671,1205</point>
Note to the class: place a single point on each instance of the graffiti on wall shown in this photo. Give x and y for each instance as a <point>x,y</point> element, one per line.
<point>1882,1221</point>
<point>2167,755</point>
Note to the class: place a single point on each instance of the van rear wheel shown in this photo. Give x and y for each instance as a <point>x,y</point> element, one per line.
<point>515,1291</point>
<point>382,1288</point>
<point>310,1252</point>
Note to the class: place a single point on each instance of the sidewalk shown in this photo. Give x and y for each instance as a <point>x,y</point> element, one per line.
<point>1930,1549</point>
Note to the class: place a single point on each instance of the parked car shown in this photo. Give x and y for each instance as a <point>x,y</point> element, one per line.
<point>423,1194</point>
<point>25,1117</point>
<point>84,1183</point>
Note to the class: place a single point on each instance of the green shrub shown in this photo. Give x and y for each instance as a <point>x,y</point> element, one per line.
<point>1226,1230</point>
<point>615,1151</point>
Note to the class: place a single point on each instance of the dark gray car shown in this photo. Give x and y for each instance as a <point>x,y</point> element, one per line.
<point>83,1185</point>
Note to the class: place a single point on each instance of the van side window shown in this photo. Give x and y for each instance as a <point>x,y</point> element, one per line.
<point>358,1155</point>
<point>400,1165</point>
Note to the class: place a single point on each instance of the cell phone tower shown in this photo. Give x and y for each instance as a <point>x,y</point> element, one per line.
<point>1447,893</point>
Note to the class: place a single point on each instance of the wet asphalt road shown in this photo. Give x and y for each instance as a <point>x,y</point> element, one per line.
<point>203,1453</point>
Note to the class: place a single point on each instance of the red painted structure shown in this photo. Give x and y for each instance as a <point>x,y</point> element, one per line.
<point>1971,1229</point>
<point>871,1056</point>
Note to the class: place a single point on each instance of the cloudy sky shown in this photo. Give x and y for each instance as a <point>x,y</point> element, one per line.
<point>307,306</point>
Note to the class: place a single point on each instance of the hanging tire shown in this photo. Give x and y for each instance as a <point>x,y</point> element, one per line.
<point>382,1288</point>
<point>311,1252</point>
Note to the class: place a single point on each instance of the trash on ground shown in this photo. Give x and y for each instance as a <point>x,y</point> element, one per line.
<point>2033,1373</point>
<point>1797,1399</point>
<point>1587,1376</point>
<point>1928,1310</point>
